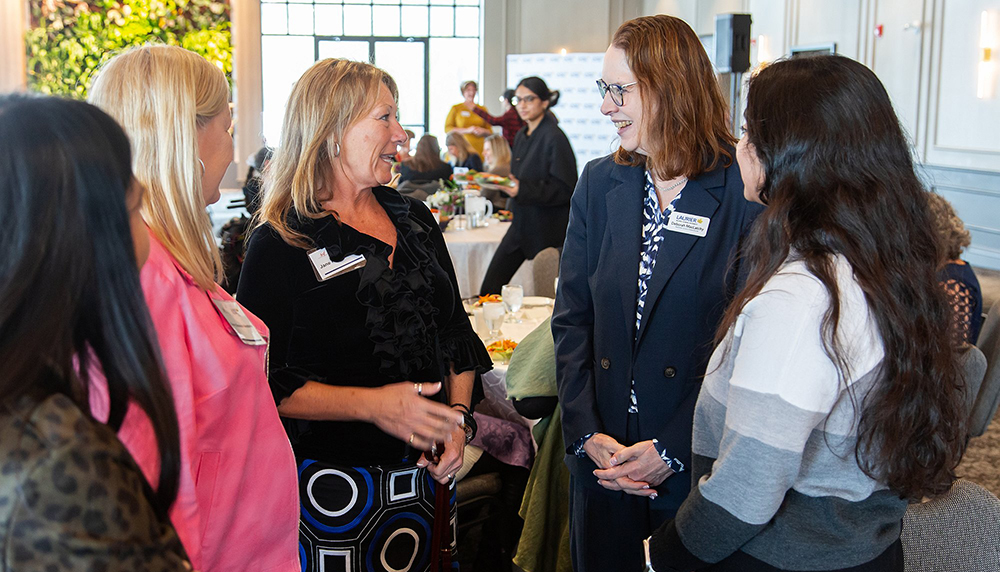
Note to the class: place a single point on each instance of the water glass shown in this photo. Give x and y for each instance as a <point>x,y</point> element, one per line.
<point>493,315</point>
<point>513,297</point>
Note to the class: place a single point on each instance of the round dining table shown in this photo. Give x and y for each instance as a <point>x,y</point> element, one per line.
<point>471,252</point>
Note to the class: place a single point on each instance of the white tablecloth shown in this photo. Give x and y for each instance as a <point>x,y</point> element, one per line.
<point>471,252</point>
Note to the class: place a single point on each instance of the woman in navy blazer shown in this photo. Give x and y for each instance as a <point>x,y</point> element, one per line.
<point>648,267</point>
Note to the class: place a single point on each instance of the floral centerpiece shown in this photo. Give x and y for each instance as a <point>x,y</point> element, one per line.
<point>448,200</point>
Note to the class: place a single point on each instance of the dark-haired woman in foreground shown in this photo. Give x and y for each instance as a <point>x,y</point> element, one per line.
<point>71,497</point>
<point>834,395</point>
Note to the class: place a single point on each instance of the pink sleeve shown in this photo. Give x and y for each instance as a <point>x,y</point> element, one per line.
<point>166,301</point>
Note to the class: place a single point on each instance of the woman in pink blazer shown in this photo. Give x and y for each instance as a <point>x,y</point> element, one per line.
<point>236,508</point>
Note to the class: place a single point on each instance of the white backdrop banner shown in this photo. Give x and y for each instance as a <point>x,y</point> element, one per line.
<point>579,109</point>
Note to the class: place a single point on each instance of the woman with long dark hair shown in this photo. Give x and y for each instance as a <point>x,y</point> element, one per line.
<point>426,165</point>
<point>71,496</point>
<point>834,395</point>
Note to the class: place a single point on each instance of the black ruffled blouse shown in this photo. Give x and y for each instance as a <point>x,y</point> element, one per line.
<point>368,327</point>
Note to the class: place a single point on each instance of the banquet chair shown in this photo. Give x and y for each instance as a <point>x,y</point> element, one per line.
<point>973,366</point>
<point>545,268</point>
<point>957,532</point>
<point>988,397</point>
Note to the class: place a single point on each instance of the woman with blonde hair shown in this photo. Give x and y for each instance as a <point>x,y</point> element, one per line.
<point>496,155</point>
<point>646,273</point>
<point>373,359</point>
<point>462,151</point>
<point>174,105</point>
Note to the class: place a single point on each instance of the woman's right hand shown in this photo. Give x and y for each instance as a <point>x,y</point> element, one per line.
<point>600,448</point>
<point>404,412</point>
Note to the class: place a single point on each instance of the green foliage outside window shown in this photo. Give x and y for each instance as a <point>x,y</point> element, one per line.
<point>70,39</point>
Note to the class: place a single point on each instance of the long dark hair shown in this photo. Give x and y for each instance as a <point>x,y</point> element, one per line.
<point>839,180</point>
<point>70,295</point>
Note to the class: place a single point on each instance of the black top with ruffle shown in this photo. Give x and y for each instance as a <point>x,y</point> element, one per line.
<point>368,327</point>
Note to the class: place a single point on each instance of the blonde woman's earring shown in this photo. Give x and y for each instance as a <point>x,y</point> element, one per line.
<point>336,150</point>
<point>202,166</point>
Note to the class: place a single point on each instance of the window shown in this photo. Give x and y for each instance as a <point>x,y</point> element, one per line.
<point>428,46</point>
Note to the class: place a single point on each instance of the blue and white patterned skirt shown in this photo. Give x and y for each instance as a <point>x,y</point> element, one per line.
<point>367,519</point>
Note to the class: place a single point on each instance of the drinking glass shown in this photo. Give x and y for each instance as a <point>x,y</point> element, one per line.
<point>493,315</point>
<point>513,297</point>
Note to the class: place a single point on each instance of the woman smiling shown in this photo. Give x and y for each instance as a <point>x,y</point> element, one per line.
<point>373,358</point>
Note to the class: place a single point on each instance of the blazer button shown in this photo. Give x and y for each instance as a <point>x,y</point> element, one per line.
<point>671,371</point>
<point>605,363</point>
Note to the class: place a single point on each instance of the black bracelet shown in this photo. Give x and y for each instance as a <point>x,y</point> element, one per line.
<point>464,407</point>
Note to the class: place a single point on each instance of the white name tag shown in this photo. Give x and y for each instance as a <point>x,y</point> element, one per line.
<point>465,113</point>
<point>696,225</point>
<point>241,324</point>
<point>325,269</point>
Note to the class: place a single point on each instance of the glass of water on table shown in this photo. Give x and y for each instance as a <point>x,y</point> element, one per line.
<point>493,313</point>
<point>513,297</point>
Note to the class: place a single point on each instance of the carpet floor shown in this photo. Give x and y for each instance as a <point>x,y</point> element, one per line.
<point>981,463</point>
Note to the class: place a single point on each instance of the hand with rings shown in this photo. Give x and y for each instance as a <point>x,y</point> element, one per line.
<point>402,411</point>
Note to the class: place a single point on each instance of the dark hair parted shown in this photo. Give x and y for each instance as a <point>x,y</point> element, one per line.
<point>427,156</point>
<point>70,296</point>
<point>686,126</point>
<point>839,180</point>
<point>538,87</point>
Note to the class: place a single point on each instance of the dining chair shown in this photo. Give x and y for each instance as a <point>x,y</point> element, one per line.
<point>988,397</point>
<point>957,532</point>
<point>545,268</point>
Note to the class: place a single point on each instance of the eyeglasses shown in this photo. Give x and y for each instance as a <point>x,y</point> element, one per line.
<point>617,91</point>
<point>526,99</point>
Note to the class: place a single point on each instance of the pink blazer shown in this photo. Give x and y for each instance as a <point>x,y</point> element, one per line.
<point>237,505</point>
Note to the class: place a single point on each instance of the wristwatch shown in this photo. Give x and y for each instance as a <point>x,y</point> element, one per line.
<point>468,422</point>
<point>470,426</point>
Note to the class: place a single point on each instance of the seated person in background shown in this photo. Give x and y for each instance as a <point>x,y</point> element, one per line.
<point>510,122</point>
<point>404,150</point>
<point>834,396</point>
<point>496,154</point>
<point>251,188</point>
<point>955,274</point>
<point>463,153</point>
<point>426,164</point>
<point>71,497</point>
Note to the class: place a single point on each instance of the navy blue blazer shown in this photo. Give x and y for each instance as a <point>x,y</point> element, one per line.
<point>597,350</point>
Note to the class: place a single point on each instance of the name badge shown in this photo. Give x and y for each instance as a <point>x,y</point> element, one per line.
<point>325,269</point>
<point>464,113</point>
<point>695,225</point>
<point>239,321</point>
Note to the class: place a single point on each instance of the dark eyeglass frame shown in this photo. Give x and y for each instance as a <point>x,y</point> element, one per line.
<point>526,99</point>
<point>617,91</point>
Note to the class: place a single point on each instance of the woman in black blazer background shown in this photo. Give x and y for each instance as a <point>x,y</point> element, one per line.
<point>543,171</point>
<point>648,267</point>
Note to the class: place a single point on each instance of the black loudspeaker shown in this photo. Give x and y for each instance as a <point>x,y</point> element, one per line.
<point>732,43</point>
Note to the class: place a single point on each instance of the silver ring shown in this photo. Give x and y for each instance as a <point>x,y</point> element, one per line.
<point>450,477</point>
<point>420,388</point>
<point>412,435</point>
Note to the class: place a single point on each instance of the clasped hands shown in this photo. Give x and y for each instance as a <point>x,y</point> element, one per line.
<point>635,470</point>
<point>406,414</point>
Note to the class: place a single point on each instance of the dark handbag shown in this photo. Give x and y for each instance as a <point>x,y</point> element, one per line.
<point>441,531</point>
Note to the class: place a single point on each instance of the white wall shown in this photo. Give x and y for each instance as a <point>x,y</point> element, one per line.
<point>13,22</point>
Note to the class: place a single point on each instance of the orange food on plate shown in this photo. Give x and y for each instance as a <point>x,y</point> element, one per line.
<point>489,298</point>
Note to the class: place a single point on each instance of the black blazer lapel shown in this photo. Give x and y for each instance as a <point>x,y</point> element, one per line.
<point>699,197</point>
<point>624,204</point>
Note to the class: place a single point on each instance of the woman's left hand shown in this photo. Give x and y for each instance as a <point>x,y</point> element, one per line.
<point>635,470</point>
<point>512,190</point>
<point>450,461</point>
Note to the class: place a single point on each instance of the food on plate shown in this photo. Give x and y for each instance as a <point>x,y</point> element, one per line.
<point>488,298</point>
<point>491,179</point>
<point>501,350</point>
<point>503,216</point>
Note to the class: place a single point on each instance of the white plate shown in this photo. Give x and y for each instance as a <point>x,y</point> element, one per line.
<point>537,301</point>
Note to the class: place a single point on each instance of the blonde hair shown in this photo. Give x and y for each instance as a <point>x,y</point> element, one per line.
<point>326,101</point>
<point>462,144</point>
<point>162,95</point>
<point>500,151</point>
